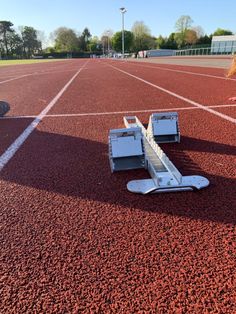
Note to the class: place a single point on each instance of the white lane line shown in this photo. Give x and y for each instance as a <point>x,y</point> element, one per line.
<point>184,72</point>
<point>113,112</point>
<point>13,79</point>
<point>221,115</point>
<point>53,72</point>
<point>35,74</point>
<point>10,152</point>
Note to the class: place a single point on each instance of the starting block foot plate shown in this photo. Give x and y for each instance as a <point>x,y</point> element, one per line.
<point>148,186</point>
<point>141,186</point>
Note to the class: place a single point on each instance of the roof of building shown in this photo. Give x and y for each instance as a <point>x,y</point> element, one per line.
<point>224,38</point>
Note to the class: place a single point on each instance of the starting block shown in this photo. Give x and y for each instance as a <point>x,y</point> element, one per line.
<point>164,127</point>
<point>126,149</point>
<point>136,147</point>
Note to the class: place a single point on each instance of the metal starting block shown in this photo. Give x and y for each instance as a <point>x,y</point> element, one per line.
<point>164,127</point>
<point>136,147</point>
<point>126,149</point>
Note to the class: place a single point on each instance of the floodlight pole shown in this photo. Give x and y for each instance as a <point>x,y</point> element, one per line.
<point>123,10</point>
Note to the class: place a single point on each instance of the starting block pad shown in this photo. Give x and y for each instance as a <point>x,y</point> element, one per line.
<point>136,147</point>
<point>126,149</point>
<point>164,127</point>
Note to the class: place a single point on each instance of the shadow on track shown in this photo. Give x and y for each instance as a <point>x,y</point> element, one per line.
<point>78,167</point>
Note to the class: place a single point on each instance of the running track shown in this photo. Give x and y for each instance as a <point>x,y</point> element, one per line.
<point>73,239</point>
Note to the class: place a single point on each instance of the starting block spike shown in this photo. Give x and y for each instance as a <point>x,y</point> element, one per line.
<point>137,147</point>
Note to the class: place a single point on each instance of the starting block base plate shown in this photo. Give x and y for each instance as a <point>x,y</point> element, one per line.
<point>148,186</point>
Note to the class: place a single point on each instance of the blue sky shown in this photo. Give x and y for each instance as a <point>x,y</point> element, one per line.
<point>159,15</point>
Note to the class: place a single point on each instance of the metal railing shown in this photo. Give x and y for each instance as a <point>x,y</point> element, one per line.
<point>206,51</point>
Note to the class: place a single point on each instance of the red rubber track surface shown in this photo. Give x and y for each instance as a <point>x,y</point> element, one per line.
<point>194,69</point>
<point>205,90</point>
<point>10,130</point>
<point>230,111</point>
<point>30,94</point>
<point>97,90</point>
<point>74,240</point>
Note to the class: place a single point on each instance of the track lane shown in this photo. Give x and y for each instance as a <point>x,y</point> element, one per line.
<point>28,95</point>
<point>201,62</point>
<point>230,111</point>
<point>19,141</point>
<point>10,130</point>
<point>205,90</point>
<point>109,90</point>
<point>177,95</point>
<point>195,71</point>
<point>21,69</point>
<point>74,240</point>
<point>73,234</point>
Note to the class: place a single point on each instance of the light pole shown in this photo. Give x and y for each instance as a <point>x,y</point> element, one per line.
<point>123,10</point>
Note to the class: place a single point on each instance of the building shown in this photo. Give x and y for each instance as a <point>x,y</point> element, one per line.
<point>156,53</point>
<point>223,44</point>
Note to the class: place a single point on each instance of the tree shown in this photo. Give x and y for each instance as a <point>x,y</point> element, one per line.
<point>166,43</point>
<point>142,36</point>
<point>5,30</point>
<point>199,31</point>
<point>161,41</point>
<point>182,25</point>
<point>15,44</point>
<point>205,40</point>
<point>171,43</point>
<point>84,39</point>
<point>117,41</point>
<point>42,38</point>
<point>222,32</point>
<point>94,44</point>
<point>191,37</point>
<point>106,40</point>
<point>31,44</point>
<point>65,40</point>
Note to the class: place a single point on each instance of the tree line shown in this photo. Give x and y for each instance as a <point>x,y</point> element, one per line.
<point>27,41</point>
<point>22,44</point>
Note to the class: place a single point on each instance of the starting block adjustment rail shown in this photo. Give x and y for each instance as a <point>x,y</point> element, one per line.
<point>136,147</point>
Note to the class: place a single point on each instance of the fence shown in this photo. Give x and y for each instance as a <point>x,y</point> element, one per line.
<point>205,51</point>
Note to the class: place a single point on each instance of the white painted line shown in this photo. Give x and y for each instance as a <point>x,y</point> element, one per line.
<point>13,79</point>
<point>10,152</point>
<point>184,72</point>
<point>35,74</point>
<point>113,112</point>
<point>221,115</point>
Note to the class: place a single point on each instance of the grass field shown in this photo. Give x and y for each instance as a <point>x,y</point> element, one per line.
<point>25,61</point>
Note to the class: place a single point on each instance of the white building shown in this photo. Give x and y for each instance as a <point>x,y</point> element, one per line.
<point>223,44</point>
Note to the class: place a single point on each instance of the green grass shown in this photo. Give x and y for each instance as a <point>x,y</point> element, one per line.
<point>27,61</point>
